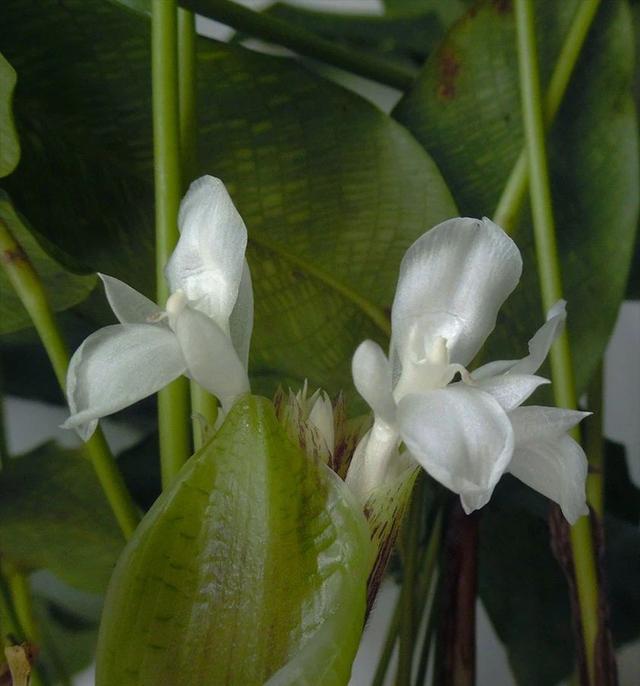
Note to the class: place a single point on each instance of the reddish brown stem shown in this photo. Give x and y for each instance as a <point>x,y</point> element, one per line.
<point>456,665</point>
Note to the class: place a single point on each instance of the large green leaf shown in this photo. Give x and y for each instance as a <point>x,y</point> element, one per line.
<point>331,189</point>
<point>53,515</point>
<point>64,288</point>
<point>251,568</point>
<point>9,144</point>
<point>465,109</point>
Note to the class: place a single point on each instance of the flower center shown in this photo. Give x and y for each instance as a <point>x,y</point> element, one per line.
<point>176,303</point>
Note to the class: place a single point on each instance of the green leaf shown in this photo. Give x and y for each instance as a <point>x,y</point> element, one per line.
<point>64,288</point>
<point>9,143</point>
<point>251,568</point>
<point>332,190</point>
<point>53,515</point>
<point>465,109</point>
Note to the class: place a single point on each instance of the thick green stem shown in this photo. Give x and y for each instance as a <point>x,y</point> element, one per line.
<point>594,444</point>
<point>29,289</point>
<point>306,43</point>
<point>549,272</point>
<point>173,400</point>
<point>515,190</point>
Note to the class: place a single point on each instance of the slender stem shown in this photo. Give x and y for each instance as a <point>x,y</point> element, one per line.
<point>425,584</point>
<point>187,95</point>
<point>427,642</point>
<point>408,593</point>
<point>307,43</point>
<point>594,444</point>
<point>426,568</point>
<point>173,400</point>
<point>549,272</point>
<point>18,585</point>
<point>515,190</point>
<point>389,644</point>
<point>29,289</point>
<point>9,623</point>
<point>18,604</point>
<point>203,404</point>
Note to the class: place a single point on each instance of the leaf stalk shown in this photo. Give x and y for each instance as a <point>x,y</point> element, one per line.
<point>173,400</point>
<point>515,190</point>
<point>306,43</point>
<point>30,290</point>
<point>549,271</point>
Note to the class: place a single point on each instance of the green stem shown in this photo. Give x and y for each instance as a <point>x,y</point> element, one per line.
<point>306,43</point>
<point>427,642</point>
<point>389,644</point>
<point>187,95</point>
<point>29,289</point>
<point>408,592</point>
<point>594,444</point>
<point>549,272</point>
<point>18,604</point>
<point>203,404</point>
<point>173,400</point>
<point>427,567</point>
<point>515,190</point>
<point>18,585</point>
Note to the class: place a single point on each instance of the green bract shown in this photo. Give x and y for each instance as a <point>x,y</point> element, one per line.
<point>251,568</point>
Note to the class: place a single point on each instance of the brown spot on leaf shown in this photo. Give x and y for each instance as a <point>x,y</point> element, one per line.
<point>448,72</point>
<point>13,256</point>
<point>502,6</point>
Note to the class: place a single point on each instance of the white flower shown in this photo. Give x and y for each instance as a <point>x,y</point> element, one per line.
<point>453,280</point>
<point>203,332</point>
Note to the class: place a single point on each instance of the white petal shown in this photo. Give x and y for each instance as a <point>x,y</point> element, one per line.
<point>474,501</point>
<point>511,390</point>
<point>542,340</point>
<point>373,459</point>
<point>533,422</point>
<point>460,435</point>
<point>210,356</point>
<point>241,321</point>
<point>129,306</point>
<point>117,366</point>
<point>321,417</point>
<point>208,261</point>
<point>492,369</point>
<point>452,283</point>
<point>557,468</point>
<point>372,379</point>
